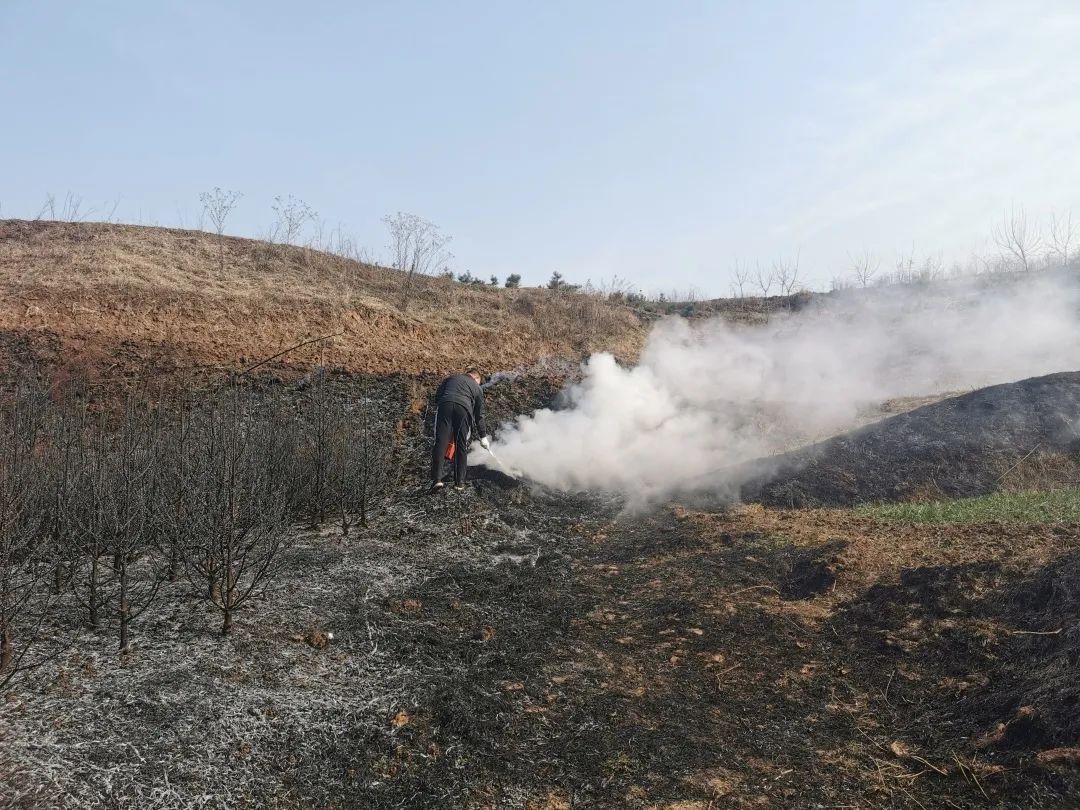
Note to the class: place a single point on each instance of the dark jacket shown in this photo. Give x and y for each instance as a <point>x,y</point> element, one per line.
<point>464,390</point>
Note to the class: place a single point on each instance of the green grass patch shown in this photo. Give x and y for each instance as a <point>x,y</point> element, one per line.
<point>1052,506</point>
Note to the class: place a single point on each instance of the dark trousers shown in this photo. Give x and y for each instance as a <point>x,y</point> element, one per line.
<point>452,421</point>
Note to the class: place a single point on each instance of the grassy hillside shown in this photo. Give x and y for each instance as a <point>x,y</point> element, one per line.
<point>104,299</point>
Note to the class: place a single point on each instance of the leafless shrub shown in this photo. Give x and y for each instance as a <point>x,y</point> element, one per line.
<point>615,289</point>
<point>71,210</point>
<point>48,208</point>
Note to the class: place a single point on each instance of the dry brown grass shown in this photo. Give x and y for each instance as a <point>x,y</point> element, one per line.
<point>125,296</point>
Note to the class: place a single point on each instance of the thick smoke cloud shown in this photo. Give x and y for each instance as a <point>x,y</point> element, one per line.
<point>709,395</point>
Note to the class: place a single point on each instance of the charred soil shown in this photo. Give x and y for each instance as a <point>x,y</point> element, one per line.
<point>1005,436</point>
<point>511,647</point>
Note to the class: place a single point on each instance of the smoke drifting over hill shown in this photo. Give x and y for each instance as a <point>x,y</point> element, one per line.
<point>709,395</point>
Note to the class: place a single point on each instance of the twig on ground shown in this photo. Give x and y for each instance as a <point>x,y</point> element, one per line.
<point>754,588</point>
<point>929,764</point>
<point>1035,632</point>
<point>1017,464</point>
<point>885,694</point>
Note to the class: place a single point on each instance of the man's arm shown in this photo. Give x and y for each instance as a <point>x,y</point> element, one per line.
<point>479,413</point>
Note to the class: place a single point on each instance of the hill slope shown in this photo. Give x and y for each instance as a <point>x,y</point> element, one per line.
<point>966,445</point>
<point>104,299</point>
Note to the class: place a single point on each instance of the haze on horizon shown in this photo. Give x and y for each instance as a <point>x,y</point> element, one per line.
<point>596,139</point>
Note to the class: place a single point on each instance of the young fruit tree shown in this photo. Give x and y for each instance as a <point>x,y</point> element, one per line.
<point>26,557</point>
<point>118,516</point>
<point>366,463</point>
<point>233,528</point>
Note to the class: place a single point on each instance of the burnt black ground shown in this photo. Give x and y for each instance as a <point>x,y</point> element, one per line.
<point>513,647</point>
<point>641,662</point>
<point>959,447</point>
<point>510,647</point>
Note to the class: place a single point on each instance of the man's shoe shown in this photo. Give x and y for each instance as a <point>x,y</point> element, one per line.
<point>459,487</point>
<point>438,486</point>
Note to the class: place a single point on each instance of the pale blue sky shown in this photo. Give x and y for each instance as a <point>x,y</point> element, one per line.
<point>653,141</point>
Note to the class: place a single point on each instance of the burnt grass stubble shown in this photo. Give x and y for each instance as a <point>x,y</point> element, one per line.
<point>805,713</point>
<point>509,645</point>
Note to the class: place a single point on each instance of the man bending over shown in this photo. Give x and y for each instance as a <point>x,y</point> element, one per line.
<point>459,408</point>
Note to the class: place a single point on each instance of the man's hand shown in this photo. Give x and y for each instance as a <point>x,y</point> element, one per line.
<point>485,443</point>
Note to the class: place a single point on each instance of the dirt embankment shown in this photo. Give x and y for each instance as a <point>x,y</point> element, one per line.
<point>1014,435</point>
<point>91,299</point>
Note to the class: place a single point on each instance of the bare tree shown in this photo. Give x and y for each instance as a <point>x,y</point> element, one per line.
<point>932,269</point>
<point>905,266</point>
<point>1017,238</point>
<point>175,490</point>
<point>91,578</point>
<point>366,464</point>
<point>1062,234</point>
<point>417,247</point>
<point>378,461</point>
<point>291,216</point>
<point>217,205</point>
<point>119,514</point>
<point>763,279</point>
<point>25,558</point>
<point>742,276</point>
<point>786,273</point>
<point>238,472</point>
<point>321,422</point>
<point>66,457</point>
<point>864,267</point>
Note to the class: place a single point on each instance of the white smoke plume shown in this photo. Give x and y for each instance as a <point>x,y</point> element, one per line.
<point>709,395</point>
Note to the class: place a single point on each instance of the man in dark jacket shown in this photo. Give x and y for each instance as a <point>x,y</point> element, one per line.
<point>459,410</point>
